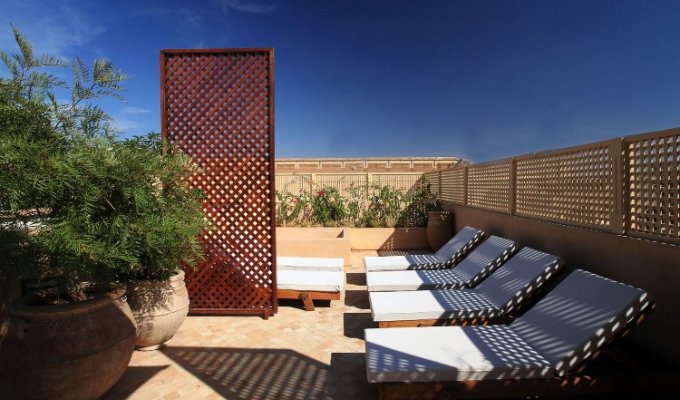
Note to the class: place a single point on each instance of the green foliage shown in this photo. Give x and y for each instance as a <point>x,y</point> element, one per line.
<point>419,202</point>
<point>328,208</point>
<point>127,212</point>
<point>75,201</point>
<point>288,207</point>
<point>372,206</point>
<point>384,206</point>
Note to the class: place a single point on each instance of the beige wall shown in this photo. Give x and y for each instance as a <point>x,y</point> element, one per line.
<point>356,165</point>
<point>650,265</point>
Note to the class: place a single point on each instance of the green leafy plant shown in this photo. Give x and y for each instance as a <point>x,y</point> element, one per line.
<point>75,201</point>
<point>372,206</point>
<point>356,203</point>
<point>384,205</point>
<point>288,207</point>
<point>328,208</point>
<point>419,202</point>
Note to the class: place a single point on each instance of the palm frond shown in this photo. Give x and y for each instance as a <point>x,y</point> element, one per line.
<point>106,75</point>
<point>47,60</point>
<point>10,64</point>
<point>27,59</point>
<point>81,73</point>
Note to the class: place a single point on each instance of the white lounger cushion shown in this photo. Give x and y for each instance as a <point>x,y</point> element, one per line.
<point>497,295</point>
<point>476,266</point>
<point>448,255</point>
<point>319,281</point>
<point>430,304</point>
<point>402,263</point>
<point>310,263</point>
<point>382,281</point>
<point>567,326</point>
<point>521,275</point>
<point>578,316</point>
<point>459,245</point>
<point>451,353</point>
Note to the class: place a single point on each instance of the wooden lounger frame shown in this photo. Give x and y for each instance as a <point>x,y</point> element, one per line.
<point>307,296</point>
<point>574,384</point>
<point>446,322</point>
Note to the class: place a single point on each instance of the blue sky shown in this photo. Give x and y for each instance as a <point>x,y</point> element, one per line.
<point>476,79</point>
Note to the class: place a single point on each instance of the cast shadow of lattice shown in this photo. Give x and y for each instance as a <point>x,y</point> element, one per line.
<point>238,373</point>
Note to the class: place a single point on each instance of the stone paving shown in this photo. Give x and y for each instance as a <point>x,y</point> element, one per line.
<point>293,355</point>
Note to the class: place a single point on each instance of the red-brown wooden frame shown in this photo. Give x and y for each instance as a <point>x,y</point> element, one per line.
<point>265,305</point>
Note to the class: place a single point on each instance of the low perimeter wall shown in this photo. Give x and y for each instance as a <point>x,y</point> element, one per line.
<point>388,238</point>
<point>339,242</point>
<point>313,242</point>
<point>652,266</point>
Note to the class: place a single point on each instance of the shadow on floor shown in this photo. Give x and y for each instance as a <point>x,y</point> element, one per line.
<point>355,323</point>
<point>356,278</point>
<point>298,303</point>
<point>237,373</point>
<point>358,299</point>
<point>348,374</point>
<point>132,379</point>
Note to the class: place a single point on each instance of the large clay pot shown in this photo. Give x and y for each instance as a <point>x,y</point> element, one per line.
<point>159,308</point>
<point>439,228</point>
<point>66,351</point>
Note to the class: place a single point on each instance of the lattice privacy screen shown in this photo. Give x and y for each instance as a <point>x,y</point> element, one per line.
<point>575,186</point>
<point>453,185</point>
<point>218,107</point>
<point>489,186</point>
<point>653,179</point>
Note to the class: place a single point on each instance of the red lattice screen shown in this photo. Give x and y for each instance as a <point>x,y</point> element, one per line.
<point>218,107</point>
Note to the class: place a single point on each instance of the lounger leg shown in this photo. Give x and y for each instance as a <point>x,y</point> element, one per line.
<point>307,301</point>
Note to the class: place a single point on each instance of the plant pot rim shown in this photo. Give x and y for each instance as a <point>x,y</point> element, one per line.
<point>29,306</point>
<point>176,276</point>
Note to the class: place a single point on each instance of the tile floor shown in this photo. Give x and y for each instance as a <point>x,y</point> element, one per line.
<point>293,355</point>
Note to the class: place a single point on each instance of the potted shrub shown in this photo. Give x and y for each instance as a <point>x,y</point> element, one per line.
<point>79,331</point>
<point>93,212</point>
<point>160,220</point>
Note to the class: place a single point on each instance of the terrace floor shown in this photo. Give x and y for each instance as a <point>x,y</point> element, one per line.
<point>293,355</point>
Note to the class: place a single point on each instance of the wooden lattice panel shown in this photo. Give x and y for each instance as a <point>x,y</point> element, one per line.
<point>453,185</point>
<point>652,174</point>
<point>574,186</point>
<point>217,107</point>
<point>489,186</point>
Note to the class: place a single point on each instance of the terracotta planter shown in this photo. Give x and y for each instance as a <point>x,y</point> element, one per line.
<point>439,228</point>
<point>66,351</point>
<point>159,307</point>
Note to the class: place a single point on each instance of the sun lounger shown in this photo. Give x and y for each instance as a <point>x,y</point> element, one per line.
<point>309,264</point>
<point>309,285</point>
<point>541,352</point>
<point>493,300</point>
<point>447,256</point>
<point>476,266</point>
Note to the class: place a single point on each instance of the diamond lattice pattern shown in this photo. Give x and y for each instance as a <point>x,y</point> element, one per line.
<point>217,110</point>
